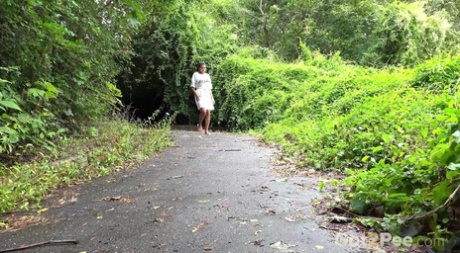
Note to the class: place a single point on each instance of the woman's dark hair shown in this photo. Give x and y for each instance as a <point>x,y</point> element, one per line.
<point>199,64</point>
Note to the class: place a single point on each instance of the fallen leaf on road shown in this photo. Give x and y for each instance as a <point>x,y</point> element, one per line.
<point>159,246</point>
<point>116,198</point>
<point>99,216</point>
<point>319,247</point>
<point>204,201</point>
<point>315,202</point>
<point>42,210</point>
<point>257,243</point>
<point>253,220</point>
<point>3,225</point>
<point>66,200</point>
<point>124,200</point>
<point>222,207</point>
<point>281,180</point>
<point>156,207</point>
<point>165,214</point>
<point>282,247</point>
<point>24,221</point>
<point>269,212</point>
<point>158,220</point>
<point>290,219</point>
<point>257,232</point>
<point>236,218</point>
<point>208,249</point>
<point>198,227</point>
<point>176,177</point>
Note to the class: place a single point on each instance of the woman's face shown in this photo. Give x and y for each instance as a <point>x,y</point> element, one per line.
<point>202,69</point>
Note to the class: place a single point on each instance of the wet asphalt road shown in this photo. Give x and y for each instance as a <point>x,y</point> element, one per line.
<point>207,194</point>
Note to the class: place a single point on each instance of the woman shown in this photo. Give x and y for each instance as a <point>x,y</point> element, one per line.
<point>201,87</point>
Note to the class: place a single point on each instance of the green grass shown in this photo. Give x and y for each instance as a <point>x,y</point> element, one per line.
<point>110,145</point>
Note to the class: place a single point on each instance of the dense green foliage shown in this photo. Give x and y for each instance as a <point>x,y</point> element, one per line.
<point>58,62</point>
<point>373,32</point>
<point>167,49</point>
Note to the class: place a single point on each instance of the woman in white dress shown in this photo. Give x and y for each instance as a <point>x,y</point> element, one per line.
<point>202,90</point>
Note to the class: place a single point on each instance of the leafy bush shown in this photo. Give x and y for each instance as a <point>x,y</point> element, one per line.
<point>254,92</point>
<point>26,120</point>
<point>62,75</point>
<point>439,75</point>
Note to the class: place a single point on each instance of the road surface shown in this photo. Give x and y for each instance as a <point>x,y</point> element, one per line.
<point>215,193</point>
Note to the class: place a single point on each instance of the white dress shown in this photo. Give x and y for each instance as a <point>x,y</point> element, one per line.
<point>202,84</point>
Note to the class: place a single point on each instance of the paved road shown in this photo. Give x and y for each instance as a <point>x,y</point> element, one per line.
<point>208,194</point>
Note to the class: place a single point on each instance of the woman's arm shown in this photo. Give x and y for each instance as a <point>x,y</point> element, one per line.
<point>193,88</point>
<point>212,96</point>
<point>197,97</point>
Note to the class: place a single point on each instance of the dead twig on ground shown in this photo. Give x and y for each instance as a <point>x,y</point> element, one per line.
<point>53,242</point>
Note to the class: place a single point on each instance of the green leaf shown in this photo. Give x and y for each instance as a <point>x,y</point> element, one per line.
<point>10,104</point>
<point>357,205</point>
<point>424,133</point>
<point>441,193</point>
<point>386,138</point>
<point>451,174</point>
<point>36,92</point>
<point>377,149</point>
<point>4,81</point>
<point>321,185</point>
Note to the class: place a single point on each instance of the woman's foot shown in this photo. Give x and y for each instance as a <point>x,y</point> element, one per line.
<point>207,133</point>
<point>199,128</point>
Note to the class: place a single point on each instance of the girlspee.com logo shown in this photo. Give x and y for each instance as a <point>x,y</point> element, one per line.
<point>372,240</point>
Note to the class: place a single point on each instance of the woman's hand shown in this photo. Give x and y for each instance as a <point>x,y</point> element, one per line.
<point>195,94</point>
<point>213,102</point>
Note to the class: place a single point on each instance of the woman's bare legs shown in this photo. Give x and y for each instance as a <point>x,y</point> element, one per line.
<point>200,119</point>
<point>207,121</point>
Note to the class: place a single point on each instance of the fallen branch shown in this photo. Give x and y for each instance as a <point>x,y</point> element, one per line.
<point>40,244</point>
<point>428,214</point>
